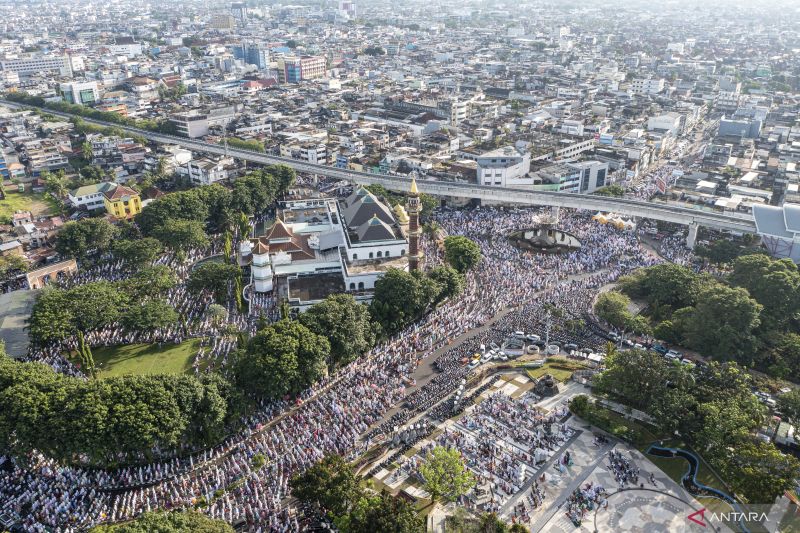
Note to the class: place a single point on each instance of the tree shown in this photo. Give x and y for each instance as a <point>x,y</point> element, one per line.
<point>214,278</point>
<point>169,522</point>
<point>87,152</point>
<point>720,252</point>
<point>55,184</point>
<point>77,238</point>
<point>775,284</point>
<point>291,43</point>
<point>664,284</point>
<point>139,252</point>
<point>182,205</point>
<point>95,305</point>
<point>449,279</point>
<point>216,313</point>
<point>10,264</point>
<point>374,51</point>
<point>243,225</point>
<point>445,475</point>
<point>51,318</point>
<point>461,252</point>
<point>637,376</point>
<point>345,323</point>
<point>149,282</point>
<point>612,306</point>
<point>384,513</point>
<point>723,323</point>
<point>282,359</point>
<point>759,471</point>
<point>611,190</point>
<point>92,174</point>
<point>331,484</point>
<point>149,316</point>
<point>785,357</point>
<point>400,297</point>
<point>789,404</point>
<point>180,236</point>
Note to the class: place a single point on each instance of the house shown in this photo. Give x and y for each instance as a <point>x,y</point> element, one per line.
<point>122,202</point>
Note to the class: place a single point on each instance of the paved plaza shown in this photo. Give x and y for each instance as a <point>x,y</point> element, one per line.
<point>530,459</point>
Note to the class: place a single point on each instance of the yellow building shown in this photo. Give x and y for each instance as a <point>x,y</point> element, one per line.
<point>122,202</point>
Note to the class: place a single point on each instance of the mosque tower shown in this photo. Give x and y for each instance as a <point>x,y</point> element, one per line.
<point>414,253</point>
<point>261,268</point>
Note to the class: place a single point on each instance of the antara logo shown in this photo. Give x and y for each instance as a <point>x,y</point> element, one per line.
<point>694,517</point>
<point>699,517</point>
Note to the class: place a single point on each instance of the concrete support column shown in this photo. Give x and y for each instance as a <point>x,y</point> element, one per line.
<point>691,239</point>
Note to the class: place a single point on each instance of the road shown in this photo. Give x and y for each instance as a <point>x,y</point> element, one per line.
<point>697,216</point>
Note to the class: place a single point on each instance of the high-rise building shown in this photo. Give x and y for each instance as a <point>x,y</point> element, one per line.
<point>252,54</point>
<point>296,69</point>
<point>239,11</point>
<point>414,254</point>
<point>222,21</point>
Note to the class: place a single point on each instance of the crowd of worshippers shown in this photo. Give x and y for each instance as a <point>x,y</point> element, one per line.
<point>339,411</point>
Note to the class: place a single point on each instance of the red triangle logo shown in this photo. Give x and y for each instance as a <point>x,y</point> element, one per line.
<point>701,520</point>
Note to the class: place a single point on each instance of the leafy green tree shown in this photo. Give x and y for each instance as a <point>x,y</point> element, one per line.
<point>759,471</point>
<point>77,238</point>
<point>382,512</point>
<point>51,318</point>
<point>282,359</point>
<point>400,298</point>
<point>345,323</point>
<point>139,252</point>
<point>720,252</point>
<point>445,475</point>
<point>55,184</point>
<point>775,284</point>
<point>169,522</point>
<point>664,284</point>
<point>789,404</point>
<point>182,205</point>
<point>462,253</point>
<point>214,278</point>
<point>611,190</point>
<point>150,282</point>
<point>92,174</point>
<point>9,264</point>
<point>449,279</point>
<point>149,316</point>
<point>87,152</point>
<point>180,236</point>
<point>637,376</point>
<point>723,322</point>
<point>612,306</point>
<point>331,484</point>
<point>95,305</point>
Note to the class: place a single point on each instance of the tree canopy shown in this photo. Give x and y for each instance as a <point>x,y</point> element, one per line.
<point>169,522</point>
<point>283,358</point>
<point>461,253</point>
<point>77,238</point>
<point>345,323</point>
<point>214,278</point>
<point>445,475</point>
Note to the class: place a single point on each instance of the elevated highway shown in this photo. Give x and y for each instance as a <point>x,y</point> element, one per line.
<point>694,218</point>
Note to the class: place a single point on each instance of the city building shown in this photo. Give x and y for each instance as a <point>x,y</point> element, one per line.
<point>504,167</point>
<point>83,93</point>
<point>122,202</point>
<point>38,64</point>
<point>296,69</point>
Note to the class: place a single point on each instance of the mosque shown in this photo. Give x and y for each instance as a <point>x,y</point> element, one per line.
<point>322,246</point>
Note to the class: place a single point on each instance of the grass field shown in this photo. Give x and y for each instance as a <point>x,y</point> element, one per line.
<point>556,369</point>
<point>145,359</point>
<point>26,201</point>
<point>676,467</point>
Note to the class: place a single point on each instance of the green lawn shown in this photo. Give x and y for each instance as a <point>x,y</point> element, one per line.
<point>676,467</point>
<point>145,358</point>
<point>556,369</point>
<point>26,201</point>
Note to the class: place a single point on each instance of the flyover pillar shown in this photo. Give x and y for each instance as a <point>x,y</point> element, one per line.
<point>691,239</point>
